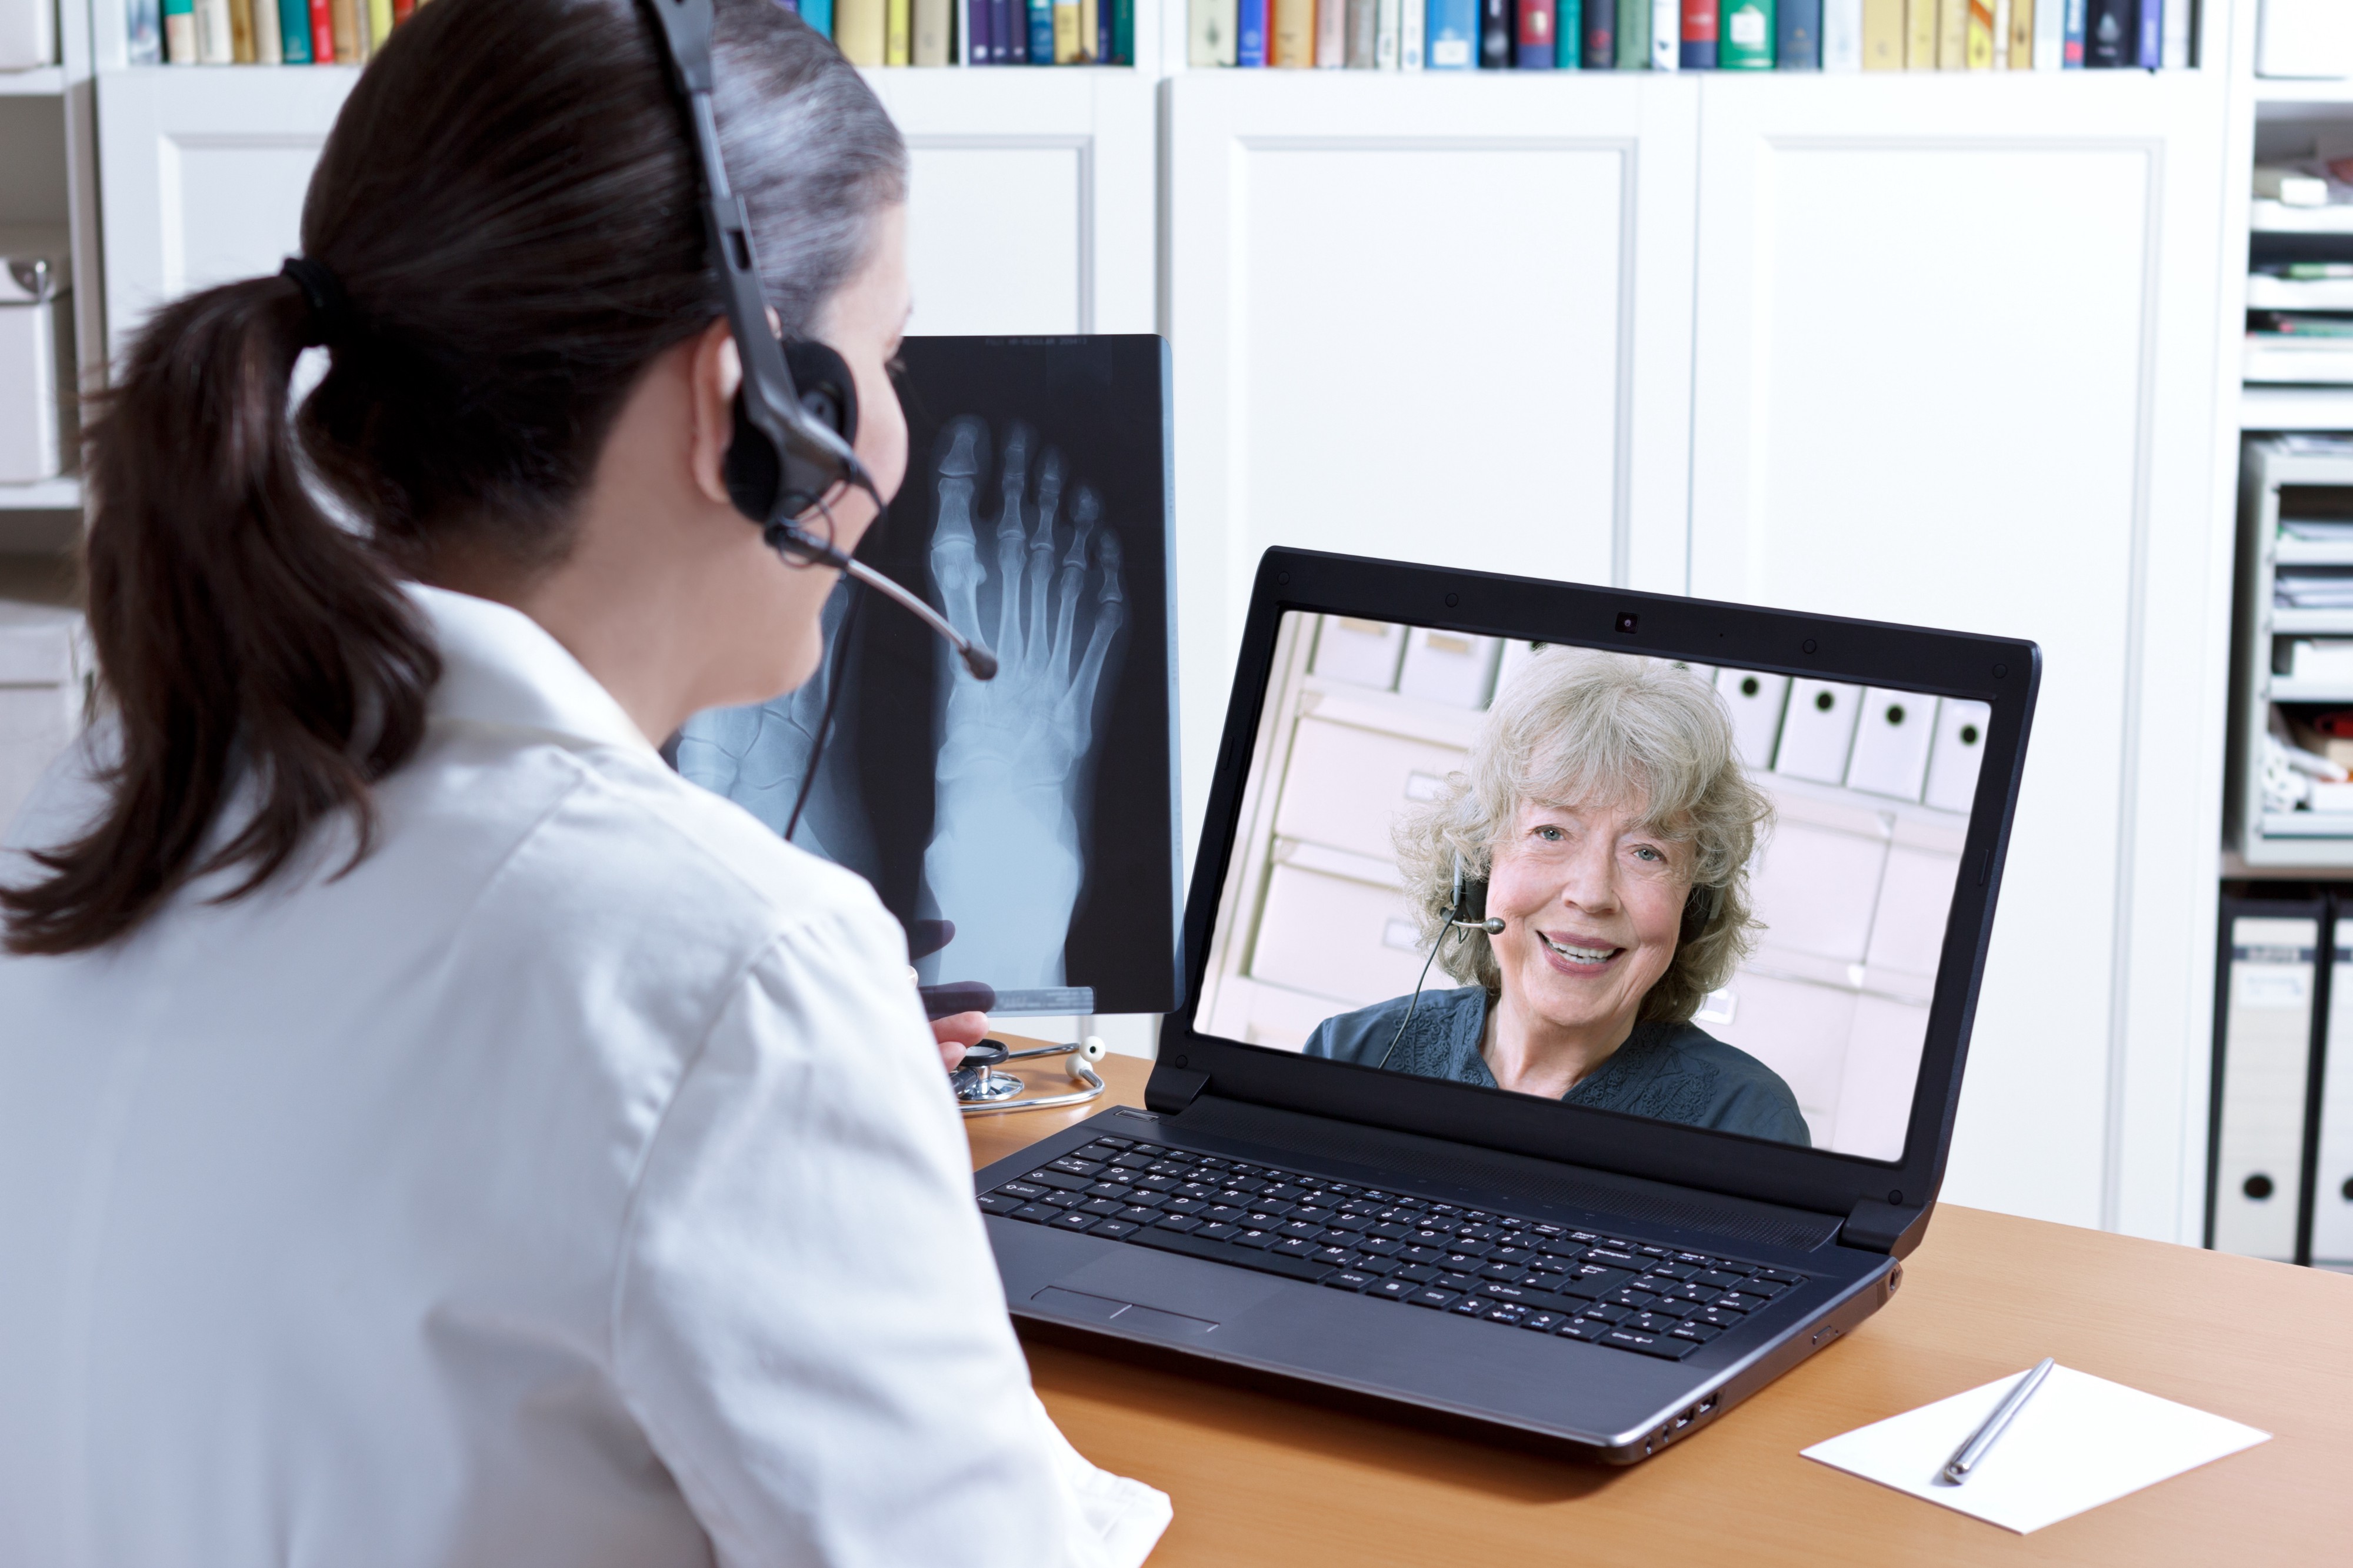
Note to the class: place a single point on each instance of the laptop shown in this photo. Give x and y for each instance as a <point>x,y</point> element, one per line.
<point>1578,985</point>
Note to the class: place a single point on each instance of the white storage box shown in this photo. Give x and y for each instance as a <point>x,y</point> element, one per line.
<point>44,659</point>
<point>28,34</point>
<point>1346,786</point>
<point>36,430</point>
<point>1453,667</point>
<point>1362,653</point>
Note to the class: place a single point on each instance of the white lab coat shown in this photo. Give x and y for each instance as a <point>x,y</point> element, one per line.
<point>573,1182</point>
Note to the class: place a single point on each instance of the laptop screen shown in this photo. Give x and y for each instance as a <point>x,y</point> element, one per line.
<point>1713,897</point>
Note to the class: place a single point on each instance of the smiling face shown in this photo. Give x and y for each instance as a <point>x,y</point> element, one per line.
<point>1592,899</point>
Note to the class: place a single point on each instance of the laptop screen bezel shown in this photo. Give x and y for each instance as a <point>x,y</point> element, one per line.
<point>1940,663</point>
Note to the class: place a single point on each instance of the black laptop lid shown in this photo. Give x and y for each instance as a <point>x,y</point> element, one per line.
<point>1692,891</point>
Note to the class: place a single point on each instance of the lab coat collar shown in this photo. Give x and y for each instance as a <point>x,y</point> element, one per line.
<point>500,667</point>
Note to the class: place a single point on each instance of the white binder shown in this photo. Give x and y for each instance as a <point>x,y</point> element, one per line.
<point>2332,1196</point>
<point>1953,758</point>
<point>1818,731</point>
<point>1362,653</point>
<point>1453,667</point>
<point>1756,700</point>
<point>2267,1050</point>
<point>1891,744</point>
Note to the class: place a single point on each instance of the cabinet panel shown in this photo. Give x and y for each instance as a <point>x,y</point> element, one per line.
<point>1954,366</point>
<point>1427,319</point>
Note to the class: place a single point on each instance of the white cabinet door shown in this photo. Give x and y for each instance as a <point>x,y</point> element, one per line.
<point>1956,365</point>
<point>1032,206</point>
<point>1426,318</point>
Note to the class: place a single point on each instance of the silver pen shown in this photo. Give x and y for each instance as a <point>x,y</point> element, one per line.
<point>1967,1457</point>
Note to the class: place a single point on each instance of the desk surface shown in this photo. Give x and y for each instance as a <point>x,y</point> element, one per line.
<point>1258,1478</point>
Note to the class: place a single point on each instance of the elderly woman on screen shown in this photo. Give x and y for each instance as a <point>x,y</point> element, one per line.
<point>1611,822</point>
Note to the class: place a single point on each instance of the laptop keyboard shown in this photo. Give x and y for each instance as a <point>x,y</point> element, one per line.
<point>1445,1257</point>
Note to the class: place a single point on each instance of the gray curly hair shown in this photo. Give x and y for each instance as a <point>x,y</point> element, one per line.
<point>1579,725</point>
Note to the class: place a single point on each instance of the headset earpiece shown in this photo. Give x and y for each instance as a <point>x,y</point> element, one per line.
<point>1700,911</point>
<point>828,394</point>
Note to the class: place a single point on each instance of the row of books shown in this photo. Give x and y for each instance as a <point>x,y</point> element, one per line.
<point>1693,35</point>
<point>261,32</point>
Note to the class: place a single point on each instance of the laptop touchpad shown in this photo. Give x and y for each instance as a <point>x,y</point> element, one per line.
<point>1206,1292</point>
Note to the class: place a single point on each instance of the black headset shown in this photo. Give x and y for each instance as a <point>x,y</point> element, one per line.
<point>796,414</point>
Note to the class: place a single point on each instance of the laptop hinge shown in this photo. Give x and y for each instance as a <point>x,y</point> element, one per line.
<point>1171,1088</point>
<point>1875,1226</point>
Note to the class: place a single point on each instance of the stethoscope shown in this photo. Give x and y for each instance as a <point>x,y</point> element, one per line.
<point>981,1090</point>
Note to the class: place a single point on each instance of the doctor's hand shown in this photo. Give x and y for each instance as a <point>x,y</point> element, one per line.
<point>958,1033</point>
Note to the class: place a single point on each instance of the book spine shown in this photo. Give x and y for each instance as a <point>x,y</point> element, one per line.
<point>1090,30</point>
<point>1952,35</point>
<point>1294,34</point>
<point>2022,35</point>
<point>1568,35</point>
<point>379,24</point>
<point>2049,34</point>
<point>1882,35</point>
<point>1389,34</point>
<point>1920,34</point>
<point>898,32</point>
<point>1102,9</point>
<point>1744,36</point>
<point>1066,34</point>
<point>1331,33</point>
<point>1250,34</point>
<point>1495,35</point>
<point>1633,34</point>
<point>1453,44</point>
<point>972,49</point>
<point>351,49</point>
<point>1210,33</point>
<point>818,15</point>
<point>1600,35</point>
<point>1536,43</point>
<point>1413,35</point>
<point>1979,42</point>
<point>402,10</point>
<point>2108,35</point>
<point>1122,32</point>
<point>1797,46</point>
<point>268,41</point>
<point>1666,35</point>
<point>1035,40</point>
<point>1364,25</point>
<point>2152,35</point>
<point>180,32</point>
<point>294,31</point>
<point>241,47</point>
<point>143,33</point>
<point>858,31</point>
<point>933,21</point>
<point>1698,40</point>
<point>1008,36</point>
<point>2178,21</point>
<point>1841,35</point>
<point>2072,22</point>
<point>323,32</point>
<point>214,44</point>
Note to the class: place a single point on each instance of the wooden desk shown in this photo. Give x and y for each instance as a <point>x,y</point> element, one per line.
<point>1258,1478</point>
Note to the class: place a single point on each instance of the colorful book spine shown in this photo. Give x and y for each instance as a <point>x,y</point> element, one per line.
<point>1249,33</point>
<point>1294,34</point>
<point>1009,40</point>
<point>351,47</point>
<point>268,41</point>
<point>1698,39</point>
<point>2022,35</point>
<point>1666,35</point>
<point>1331,33</point>
<point>294,31</point>
<point>1841,35</point>
<point>402,10</point>
<point>818,15</point>
<point>898,32</point>
<point>1920,34</point>
<point>1952,35</point>
<point>379,24</point>
<point>2073,18</point>
<point>1413,35</point>
<point>323,32</point>
<point>934,22</point>
<point>1979,45</point>
<point>1122,32</point>
<point>1633,51</point>
<point>1797,41</point>
<point>2152,34</point>
<point>973,46</point>
<point>1090,31</point>
<point>860,29</point>
<point>143,33</point>
<point>2110,36</point>
<point>1454,27</point>
<point>242,50</point>
<point>1038,37</point>
<point>1066,34</point>
<point>1495,35</point>
<point>1744,36</point>
<point>1882,35</point>
<point>1600,35</point>
<point>1364,25</point>
<point>1568,35</point>
<point>180,32</point>
<point>1210,32</point>
<point>215,45</point>
<point>1389,34</point>
<point>1537,45</point>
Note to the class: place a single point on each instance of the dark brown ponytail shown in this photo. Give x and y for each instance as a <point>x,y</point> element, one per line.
<point>508,207</point>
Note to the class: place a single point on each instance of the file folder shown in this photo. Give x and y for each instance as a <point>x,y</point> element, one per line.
<point>2331,1199</point>
<point>1817,731</point>
<point>2263,1049</point>
<point>1756,700</point>
<point>1953,758</point>
<point>1891,744</point>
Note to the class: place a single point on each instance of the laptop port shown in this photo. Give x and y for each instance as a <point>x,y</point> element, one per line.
<point>1707,1404</point>
<point>1686,1418</point>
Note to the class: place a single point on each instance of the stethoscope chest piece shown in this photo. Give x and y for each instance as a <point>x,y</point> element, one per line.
<point>980,1088</point>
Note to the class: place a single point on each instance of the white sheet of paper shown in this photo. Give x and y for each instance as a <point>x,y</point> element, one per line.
<point>2080,1441</point>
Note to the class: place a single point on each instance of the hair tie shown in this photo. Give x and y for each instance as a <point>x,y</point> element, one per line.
<point>330,314</point>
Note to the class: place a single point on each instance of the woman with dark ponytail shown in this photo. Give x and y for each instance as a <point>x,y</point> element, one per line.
<point>430,1131</point>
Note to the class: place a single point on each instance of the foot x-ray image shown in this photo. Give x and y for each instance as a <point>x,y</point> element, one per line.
<point>1021,828</point>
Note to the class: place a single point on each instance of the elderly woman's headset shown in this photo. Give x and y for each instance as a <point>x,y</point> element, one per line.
<point>1467,910</point>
